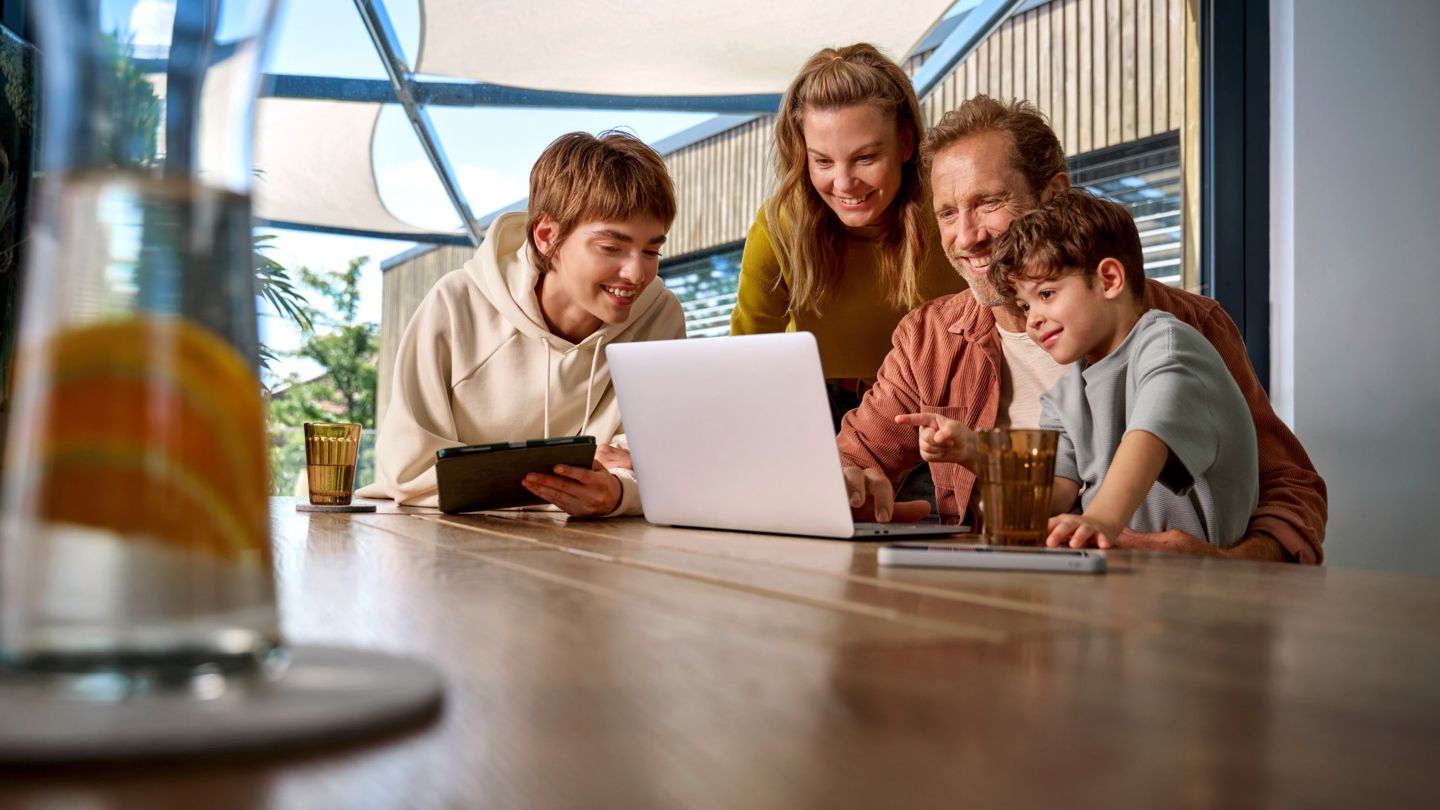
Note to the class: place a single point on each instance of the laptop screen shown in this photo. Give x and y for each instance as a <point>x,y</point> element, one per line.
<point>732,433</point>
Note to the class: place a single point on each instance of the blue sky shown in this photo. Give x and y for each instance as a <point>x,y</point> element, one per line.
<point>491,149</point>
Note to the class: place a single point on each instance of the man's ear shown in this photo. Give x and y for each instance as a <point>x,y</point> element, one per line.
<point>545,234</point>
<point>1111,274</point>
<point>1060,182</point>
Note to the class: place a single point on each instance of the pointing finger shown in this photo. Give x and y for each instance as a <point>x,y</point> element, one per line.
<point>921,420</point>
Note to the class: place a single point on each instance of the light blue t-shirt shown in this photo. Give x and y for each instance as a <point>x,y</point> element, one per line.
<point>1164,378</point>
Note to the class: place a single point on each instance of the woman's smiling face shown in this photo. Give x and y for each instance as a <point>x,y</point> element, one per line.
<point>854,158</point>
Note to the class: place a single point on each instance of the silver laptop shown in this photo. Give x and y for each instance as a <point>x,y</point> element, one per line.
<point>735,433</point>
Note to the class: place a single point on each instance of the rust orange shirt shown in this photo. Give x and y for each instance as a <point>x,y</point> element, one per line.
<point>945,359</point>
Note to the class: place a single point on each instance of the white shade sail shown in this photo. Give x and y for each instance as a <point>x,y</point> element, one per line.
<point>657,47</point>
<point>313,166</point>
<point>314,156</point>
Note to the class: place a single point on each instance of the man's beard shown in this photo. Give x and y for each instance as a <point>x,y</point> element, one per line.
<point>985,293</point>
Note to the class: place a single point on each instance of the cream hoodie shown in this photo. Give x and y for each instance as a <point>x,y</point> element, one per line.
<point>477,365</point>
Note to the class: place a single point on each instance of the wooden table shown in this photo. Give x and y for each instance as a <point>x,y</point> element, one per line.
<point>610,663</point>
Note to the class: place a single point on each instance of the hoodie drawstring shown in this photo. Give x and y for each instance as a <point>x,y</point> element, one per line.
<point>590,386</point>
<point>547,389</point>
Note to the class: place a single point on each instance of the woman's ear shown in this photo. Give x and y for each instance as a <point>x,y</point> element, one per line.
<point>908,142</point>
<point>1111,274</point>
<point>545,233</point>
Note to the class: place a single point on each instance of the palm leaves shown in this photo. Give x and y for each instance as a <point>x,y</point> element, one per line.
<point>272,283</point>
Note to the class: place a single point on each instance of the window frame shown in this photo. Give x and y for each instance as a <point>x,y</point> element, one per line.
<point>1235,168</point>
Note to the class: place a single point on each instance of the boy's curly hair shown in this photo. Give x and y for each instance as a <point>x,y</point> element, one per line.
<point>1071,233</point>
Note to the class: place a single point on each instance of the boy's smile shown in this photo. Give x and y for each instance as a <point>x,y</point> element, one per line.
<point>1048,339</point>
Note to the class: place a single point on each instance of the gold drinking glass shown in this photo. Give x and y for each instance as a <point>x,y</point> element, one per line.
<point>330,452</point>
<point>1016,476</point>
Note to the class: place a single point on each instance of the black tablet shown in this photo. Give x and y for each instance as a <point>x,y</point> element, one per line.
<point>488,476</point>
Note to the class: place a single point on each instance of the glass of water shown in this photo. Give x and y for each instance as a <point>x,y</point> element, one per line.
<point>134,539</point>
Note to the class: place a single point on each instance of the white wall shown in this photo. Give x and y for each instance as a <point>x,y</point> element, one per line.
<point>1355,266</point>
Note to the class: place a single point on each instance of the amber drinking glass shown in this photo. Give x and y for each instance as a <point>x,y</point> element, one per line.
<point>1016,477</point>
<point>330,452</point>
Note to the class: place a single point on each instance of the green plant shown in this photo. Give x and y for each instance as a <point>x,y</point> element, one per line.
<point>346,349</point>
<point>339,343</point>
<point>132,139</point>
<point>273,284</point>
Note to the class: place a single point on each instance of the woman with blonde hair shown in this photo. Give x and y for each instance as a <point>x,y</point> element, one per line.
<point>847,244</point>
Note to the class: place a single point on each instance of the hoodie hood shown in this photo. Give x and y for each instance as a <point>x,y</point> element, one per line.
<point>506,275</point>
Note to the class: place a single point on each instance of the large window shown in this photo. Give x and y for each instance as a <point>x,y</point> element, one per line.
<point>706,287</point>
<point>1145,176</point>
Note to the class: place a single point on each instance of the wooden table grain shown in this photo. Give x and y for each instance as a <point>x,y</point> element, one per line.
<point>611,663</point>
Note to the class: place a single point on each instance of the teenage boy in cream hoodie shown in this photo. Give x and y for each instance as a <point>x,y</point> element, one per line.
<point>511,346</point>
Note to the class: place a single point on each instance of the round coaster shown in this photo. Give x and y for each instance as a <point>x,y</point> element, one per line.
<point>306,506</point>
<point>327,695</point>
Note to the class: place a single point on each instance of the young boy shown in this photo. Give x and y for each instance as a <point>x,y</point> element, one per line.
<point>1155,434</point>
<point>511,346</point>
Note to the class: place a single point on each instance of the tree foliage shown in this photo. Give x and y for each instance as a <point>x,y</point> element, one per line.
<point>134,109</point>
<point>346,349</point>
<point>340,344</point>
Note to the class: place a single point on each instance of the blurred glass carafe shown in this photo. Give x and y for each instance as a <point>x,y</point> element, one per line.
<point>134,539</point>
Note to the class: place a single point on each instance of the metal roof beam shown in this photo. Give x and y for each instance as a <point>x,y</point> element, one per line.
<point>377,22</point>
<point>977,24</point>
<point>457,238</point>
<point>478,94</point>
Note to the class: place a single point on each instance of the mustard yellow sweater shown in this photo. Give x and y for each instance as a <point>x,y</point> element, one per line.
<point>855,324</point>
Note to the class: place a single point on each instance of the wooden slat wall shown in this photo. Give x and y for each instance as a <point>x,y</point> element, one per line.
<point>720,183</point>
<point>1104,71</point>
<point>403,288</point>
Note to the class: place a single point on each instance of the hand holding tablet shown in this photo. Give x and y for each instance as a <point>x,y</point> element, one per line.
<point>490,476</point>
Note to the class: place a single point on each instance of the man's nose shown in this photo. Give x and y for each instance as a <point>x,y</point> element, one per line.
<point>969,232</point>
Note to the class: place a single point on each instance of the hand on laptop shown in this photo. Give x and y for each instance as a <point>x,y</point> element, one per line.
<point>610,456</point>
<point>941,439</point>
<point>580,492</point>
<point>872,498</point>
